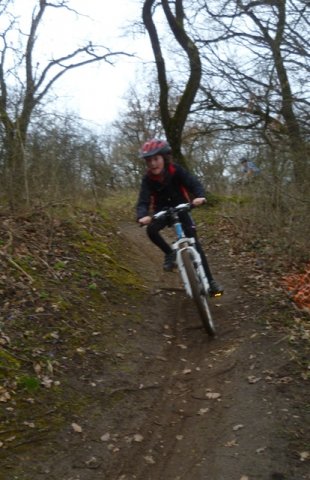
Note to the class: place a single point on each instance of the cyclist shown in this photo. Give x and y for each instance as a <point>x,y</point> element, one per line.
<point>248,168</point>
<point>167,184</point>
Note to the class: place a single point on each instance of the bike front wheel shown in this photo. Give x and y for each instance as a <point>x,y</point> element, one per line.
<point>199,295</point>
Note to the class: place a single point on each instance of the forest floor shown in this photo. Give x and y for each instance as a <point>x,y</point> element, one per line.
<point>107,374</point>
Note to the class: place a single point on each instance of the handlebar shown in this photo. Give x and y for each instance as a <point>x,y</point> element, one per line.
<point>170,211</point>
<point>182,207</point>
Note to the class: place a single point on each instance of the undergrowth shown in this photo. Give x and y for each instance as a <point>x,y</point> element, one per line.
<point>66,288</point>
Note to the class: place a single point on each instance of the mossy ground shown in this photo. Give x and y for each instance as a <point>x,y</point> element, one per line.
<point>66,288</point>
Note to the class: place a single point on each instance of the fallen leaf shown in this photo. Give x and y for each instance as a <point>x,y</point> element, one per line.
<point>10,439</point>
<point>231,443</point>
<point>92,462</point>
<point>4,339</point>
<point>46,381</point>
<point>54,335</point>
<point>304,456</point>
<point>213,395</point>
<point>149,459</point>
<point>4,395</point>
<point>77,428</point>
<point>260,450</point>
<point>202,411</point>
<point>252,379</point>
<point>50,367</point>
<point>238,427</point>
<point>285,380</point>
<point>30,424</point>
<point>37,368</point>
<point>80,350</point>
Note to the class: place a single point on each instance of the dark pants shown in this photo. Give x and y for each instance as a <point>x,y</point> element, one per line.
<point>189,228</point>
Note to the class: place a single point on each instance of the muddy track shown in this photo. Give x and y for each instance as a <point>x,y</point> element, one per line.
<point>179,405</point>
<point>220,412</point>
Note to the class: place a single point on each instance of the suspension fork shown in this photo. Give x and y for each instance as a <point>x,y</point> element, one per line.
<point>190,244</point>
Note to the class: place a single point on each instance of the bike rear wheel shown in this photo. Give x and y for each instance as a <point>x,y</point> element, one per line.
<point>199,296</point>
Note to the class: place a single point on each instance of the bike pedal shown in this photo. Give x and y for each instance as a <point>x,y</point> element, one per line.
<point>215,295</point>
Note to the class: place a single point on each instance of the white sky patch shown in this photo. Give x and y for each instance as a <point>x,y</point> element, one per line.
<point>94,92</point>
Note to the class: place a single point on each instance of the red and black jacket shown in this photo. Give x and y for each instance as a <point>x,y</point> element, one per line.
<point>176,186</point>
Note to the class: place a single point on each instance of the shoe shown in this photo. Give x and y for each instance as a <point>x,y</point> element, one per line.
<point>169,262</point>
<point>215,289</point>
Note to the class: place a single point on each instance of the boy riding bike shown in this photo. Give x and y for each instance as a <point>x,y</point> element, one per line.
<point>167,184</point>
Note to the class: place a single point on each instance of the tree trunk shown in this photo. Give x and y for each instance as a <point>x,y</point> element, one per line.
<point>15,167</point>
<point>296,141</point>
<point>297,144</point>
<point>174,124</point>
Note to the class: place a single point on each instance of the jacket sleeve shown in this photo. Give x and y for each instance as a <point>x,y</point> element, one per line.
<point>144,200</point>
<point>191,182</point>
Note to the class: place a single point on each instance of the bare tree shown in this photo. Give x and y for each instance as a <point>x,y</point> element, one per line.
<point>249,61</point>
<point>17,106</point>
<point>173,120</point>
<point>273,36</point>
<point>67,161</point>
<point>255,67</point>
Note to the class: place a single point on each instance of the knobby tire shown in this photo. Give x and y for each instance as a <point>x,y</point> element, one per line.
<point>199,296</point>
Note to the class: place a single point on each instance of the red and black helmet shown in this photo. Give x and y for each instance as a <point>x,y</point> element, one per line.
<point>154,147</point>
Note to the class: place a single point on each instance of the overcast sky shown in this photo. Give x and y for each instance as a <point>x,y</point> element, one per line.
<point>96,92</point>
<point>93,92</point>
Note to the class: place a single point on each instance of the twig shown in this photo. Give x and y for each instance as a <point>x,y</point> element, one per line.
<point>168,289</point>
<point>17,357</point>
<point>30,440</point>
<point>7,256</point>
<point>18,267</point>
<point>50,269</point>
<point>282,339</point>
<point>9,243</point>
<point>133,389</point>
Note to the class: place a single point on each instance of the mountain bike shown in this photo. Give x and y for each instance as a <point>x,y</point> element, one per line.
<point>189,264</point>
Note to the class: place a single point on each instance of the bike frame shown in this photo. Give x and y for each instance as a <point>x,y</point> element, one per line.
<point>185,243</point>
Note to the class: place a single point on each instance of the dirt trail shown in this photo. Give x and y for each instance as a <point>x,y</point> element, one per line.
<point>225,409</point>
<point>184,406</point>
